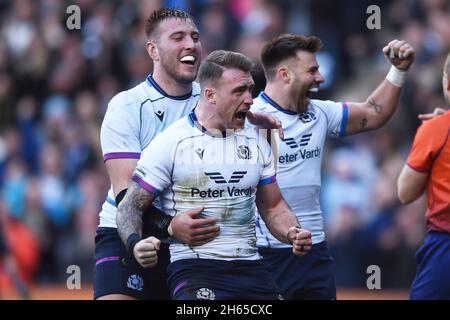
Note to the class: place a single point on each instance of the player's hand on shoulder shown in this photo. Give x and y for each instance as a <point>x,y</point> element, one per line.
<point>400,54</point>
<point>301,240</point>
<point>264,120</point>
<point>146,252</point>
<point>191,228</point>
<point>432,115</point>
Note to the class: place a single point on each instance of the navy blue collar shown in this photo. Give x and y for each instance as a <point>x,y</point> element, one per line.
<point>152,83</point>
<point>195,123</point>
<point>266,98</point>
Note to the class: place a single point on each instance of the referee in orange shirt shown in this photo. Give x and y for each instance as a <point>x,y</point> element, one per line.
<point>428,166</point>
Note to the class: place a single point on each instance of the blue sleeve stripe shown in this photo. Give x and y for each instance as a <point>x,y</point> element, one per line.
<point>111,201</point>
<point>344,119</point>
<point>269,180</point>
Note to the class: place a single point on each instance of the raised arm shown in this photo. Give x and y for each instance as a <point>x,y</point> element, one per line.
<point>280,220</point>
<point>381,103</point>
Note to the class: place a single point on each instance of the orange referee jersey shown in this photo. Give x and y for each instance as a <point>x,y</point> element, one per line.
<point>431,153</point>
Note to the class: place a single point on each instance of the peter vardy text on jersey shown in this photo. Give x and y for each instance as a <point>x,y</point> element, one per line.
<point>304,154</point>
<point>219,193</point>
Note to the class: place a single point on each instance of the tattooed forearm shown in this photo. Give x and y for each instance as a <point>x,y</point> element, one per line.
<point>129,213</point>
<point>378,107</point>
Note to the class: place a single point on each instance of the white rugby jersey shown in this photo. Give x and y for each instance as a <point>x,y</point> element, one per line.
<point>300,160</point>
<point>190,167</point>
<point>133,119</point>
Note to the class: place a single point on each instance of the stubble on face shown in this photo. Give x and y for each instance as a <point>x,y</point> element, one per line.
<point>234,89</point>
<point>171,49</point>
<point>304,68</point>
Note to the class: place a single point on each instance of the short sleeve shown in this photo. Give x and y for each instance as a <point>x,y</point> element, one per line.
<point>422,152</point>
<point>154,169</point>
<point>336,114</point>
<point>120,129</point>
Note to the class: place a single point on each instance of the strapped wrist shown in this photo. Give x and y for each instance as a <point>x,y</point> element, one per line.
<point>396,76</point>
<point>131,242</point>
<point>120,196</point>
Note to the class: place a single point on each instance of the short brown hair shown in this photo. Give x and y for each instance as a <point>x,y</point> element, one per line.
<point>284,47</point>
<point>217,61</point>
<point>163,14</point>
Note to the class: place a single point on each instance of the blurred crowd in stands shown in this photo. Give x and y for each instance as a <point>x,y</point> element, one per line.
<point>55,84</point>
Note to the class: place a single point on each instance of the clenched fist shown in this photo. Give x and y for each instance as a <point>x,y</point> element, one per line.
<point>400,54</point>
<point>300,239</point>
<point>146,252</point>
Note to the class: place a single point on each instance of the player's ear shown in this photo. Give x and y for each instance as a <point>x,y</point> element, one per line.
<point>210,95</point>
<point>283,73</point>
<point>152,50</point>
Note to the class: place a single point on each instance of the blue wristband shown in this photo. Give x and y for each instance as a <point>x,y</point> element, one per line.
<point>131,242</point>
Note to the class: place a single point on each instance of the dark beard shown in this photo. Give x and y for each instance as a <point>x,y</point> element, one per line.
<point>172,71</point>
<point>302,109</point>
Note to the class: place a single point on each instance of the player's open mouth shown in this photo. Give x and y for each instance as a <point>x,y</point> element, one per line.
<point>189,60</point>
<point>314,89</point>
<point>241,115</point>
